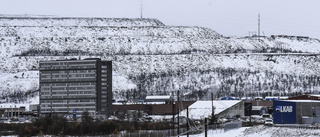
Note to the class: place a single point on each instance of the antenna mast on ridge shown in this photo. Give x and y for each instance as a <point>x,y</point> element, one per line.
<point>141,9</point>
<point>259,26</point>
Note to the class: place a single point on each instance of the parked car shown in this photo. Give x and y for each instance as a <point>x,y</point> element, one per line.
<point>268,122</point>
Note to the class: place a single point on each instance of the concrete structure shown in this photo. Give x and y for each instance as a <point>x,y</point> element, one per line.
<point>75,85</point>
<point>12,111</point>
<point>34,107</point>
<point>296,111</point>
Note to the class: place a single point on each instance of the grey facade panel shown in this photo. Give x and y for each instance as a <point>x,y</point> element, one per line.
<point>308,109</point>
<point>67,85</point>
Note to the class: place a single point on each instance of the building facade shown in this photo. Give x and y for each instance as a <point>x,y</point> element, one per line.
<point>69,86</point>
<point>296,111</point>
<point>12,111</point>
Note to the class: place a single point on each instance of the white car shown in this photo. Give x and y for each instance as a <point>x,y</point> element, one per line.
<point>268,122</point>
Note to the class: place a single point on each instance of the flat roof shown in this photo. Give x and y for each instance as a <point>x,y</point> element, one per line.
<point>301,100</point>
<point>315,95</point>
<point>70,60</point>
<point>158,97</point>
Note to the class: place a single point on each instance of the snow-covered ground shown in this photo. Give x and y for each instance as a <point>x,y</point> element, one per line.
<point>262,131</point>
<point>221,133</point>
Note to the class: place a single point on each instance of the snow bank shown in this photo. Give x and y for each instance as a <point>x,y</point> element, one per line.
<point>262,131</point>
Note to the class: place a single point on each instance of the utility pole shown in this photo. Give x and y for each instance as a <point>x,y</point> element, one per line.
<point>212,104</point>
<point>205,127</point>
<point>178,111</point>
<point>188,121</point>
<point>173,112</point>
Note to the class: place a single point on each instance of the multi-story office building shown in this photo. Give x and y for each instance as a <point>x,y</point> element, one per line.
<point>80,85</point>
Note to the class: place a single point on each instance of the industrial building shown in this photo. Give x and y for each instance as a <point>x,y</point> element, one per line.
<point>258,107</point>
<point>74,86</point>
<point>12,111</point>
<point>296,112</point>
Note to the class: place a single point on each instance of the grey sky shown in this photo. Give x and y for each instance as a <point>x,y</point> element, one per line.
<point>227,17</point>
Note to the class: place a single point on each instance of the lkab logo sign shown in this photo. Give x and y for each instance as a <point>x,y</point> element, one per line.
<point>284,109</point>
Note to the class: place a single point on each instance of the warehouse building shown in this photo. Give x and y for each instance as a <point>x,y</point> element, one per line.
<point>296,112</point>
<point>74,86</point>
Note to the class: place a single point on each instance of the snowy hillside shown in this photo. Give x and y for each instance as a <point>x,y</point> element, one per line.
<point>151,58</point>
<point>49,21</point>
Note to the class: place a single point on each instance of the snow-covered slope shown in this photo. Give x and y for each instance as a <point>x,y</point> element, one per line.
<point>49,21</point>
<point>152,58</point>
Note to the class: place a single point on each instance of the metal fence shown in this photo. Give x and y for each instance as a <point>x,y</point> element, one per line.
<point>232,125</point>
<point>149,133</point>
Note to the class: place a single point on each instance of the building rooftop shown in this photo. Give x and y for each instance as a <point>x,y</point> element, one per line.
<point>158,97</point>
<point>301,100</point>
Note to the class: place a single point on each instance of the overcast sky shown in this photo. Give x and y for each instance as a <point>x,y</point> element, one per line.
<point>227,17</point>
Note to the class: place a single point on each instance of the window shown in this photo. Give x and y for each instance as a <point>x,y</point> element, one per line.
<point>104,71</point>
<point>104,79</point>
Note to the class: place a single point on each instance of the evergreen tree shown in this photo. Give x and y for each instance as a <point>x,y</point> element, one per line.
<point>213,118</point>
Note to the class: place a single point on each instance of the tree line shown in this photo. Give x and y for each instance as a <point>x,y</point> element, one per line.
<point>199,84</point>
<point>59,126</point>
